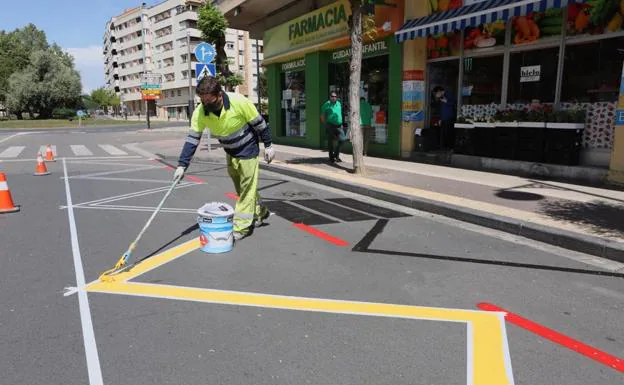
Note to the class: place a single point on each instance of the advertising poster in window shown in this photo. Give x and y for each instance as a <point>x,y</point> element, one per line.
<point>595,17</point>
<point>537,26</point>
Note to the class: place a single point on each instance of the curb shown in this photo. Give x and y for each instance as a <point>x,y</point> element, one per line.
<point>562,238</point>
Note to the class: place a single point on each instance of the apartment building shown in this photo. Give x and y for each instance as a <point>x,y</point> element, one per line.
<point>161,39</point>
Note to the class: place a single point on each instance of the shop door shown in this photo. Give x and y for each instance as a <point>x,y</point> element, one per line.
<point>441,115</point>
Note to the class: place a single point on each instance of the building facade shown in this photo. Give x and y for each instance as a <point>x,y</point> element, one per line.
<point>537,81</point>
<point>161,39</point>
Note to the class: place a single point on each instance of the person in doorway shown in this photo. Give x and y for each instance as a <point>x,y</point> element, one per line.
<point>447,116</point>
<point>366,121</point>
<point>331,116</point>
<point>235,122</point>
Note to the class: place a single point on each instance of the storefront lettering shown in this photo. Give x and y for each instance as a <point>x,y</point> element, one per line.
<point>293,65</point>
<point>318,21</point>
<point>530,74</point>
<point>366,49</point>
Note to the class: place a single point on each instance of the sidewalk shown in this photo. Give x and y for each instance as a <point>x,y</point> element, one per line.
<point>580,218</point>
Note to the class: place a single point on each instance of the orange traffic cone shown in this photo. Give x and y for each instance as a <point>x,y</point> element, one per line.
<point>49,154</point>
<point>41,168</point>
<point>6,202</point>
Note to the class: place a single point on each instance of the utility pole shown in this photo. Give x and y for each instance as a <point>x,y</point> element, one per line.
<point>190,75</point>
<point>258,77</point>
<point>147,114</point>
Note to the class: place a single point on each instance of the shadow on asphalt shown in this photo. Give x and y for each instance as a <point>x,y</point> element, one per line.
<point>322,160</point>
<point>602,218</point>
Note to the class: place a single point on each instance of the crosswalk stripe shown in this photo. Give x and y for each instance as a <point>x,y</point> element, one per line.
<point>42,150</point>
<point>112,149</point>
<point>12,152</point>
<point>80,150</point>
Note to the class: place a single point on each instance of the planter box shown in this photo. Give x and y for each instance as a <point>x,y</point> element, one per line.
<point>484,139</point>
<point>530,141</point>
<point>465,138</point>
<point>566,126</point>
<point>563,143</point>
<point>505,140</point>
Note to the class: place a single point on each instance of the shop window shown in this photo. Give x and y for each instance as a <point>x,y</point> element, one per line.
<point>592,71</point>
<point>533,76</point>
<point>592,18</point>
<point>293,103</point>
<point>482,80</point>
<point>443,45</point>
<point>537,26</point>
<point>485,36</point>
<point>373,87</point>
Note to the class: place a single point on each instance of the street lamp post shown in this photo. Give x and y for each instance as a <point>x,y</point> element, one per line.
<point>190,75</point>
<point>147,114</point>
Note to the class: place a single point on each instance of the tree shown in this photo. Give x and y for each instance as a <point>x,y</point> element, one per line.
<point>15,50</point>
<point>45,84</point>
<point>104,97</point>
<point>213,26</point>
<point>362,19</point>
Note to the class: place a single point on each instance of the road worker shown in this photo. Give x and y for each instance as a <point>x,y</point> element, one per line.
<point>235,122</point>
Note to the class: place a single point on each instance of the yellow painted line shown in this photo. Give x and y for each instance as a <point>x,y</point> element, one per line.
<point>156,261</point>
<point>488,355</point>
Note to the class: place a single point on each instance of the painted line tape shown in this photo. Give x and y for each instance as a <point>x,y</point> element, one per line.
<point>324,236</point>
<point>556,337</point>
<point>232,196</point>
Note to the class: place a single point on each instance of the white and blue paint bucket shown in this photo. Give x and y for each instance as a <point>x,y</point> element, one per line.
<point>216,227</point>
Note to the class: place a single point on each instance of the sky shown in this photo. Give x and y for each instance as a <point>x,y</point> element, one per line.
<point>77,26</point>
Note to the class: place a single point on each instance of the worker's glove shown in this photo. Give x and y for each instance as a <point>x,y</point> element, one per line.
<point>269,154</point>
<point>179,173</point>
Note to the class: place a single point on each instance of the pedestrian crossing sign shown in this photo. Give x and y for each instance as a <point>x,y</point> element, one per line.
<point>205,69</point>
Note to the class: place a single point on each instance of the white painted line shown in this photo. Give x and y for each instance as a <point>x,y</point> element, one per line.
<point>93,360</point>
<point>12,152</point>
<point>14,135</point>
<point>103,173</point>
<point>81,159</point>
<point>168,181</point>
<point>508,367</point>
<point>133,194</point>
<point>135,148</point>
<point>145,210</point>
<point>112,149</point>
<point>469,354</point>
<point>80,150</point>
<point>42,150</point>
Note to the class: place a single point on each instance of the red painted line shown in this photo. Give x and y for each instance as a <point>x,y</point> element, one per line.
<point>563,340</point>
<point>232,196</point>
<point>194,179</point>
<point>320,234</point>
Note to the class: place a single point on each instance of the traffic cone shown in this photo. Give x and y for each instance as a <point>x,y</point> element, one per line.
<point>6,202</point>
<point>49,154</point>
<point>41,168</point>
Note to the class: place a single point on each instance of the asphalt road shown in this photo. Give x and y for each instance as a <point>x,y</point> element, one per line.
<point>265,313</point>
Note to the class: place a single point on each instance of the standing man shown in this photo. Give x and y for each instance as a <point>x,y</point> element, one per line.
<point>235,122</point>
<point>366,121</point>
<point>447,116</point>
<point>331,116</point>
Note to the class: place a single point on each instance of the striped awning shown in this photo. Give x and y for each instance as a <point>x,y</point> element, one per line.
<point>474,15</point>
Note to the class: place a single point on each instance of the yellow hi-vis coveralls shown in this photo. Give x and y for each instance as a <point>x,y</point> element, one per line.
<point>239,128</point>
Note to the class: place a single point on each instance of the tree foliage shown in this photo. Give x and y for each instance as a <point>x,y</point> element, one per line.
<point>213,26</point>
<point>34,75</point>
<point>104,97</point>
<point>45,84</point>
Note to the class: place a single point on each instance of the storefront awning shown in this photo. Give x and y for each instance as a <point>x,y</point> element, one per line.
<point>474,15</point>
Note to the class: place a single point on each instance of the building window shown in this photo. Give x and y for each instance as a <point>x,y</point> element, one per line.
<point>482,80</point>
<point>240,52</point>
<point>240,37</point>
<point>294,103</point>
<point>592,71</point>
<point>524,89</point>
<point>241,68</point>
<point>179,92</point>
<point>230,45</point>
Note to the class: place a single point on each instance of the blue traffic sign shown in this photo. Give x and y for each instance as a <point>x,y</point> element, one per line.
<point>202,70</point>
<point>205,53</point>
<point>80,113</point>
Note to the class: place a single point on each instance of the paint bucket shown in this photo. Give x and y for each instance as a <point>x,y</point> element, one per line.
<point>216,227</point>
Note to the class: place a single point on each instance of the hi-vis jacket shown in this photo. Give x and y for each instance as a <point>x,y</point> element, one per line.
<point>239,129</point>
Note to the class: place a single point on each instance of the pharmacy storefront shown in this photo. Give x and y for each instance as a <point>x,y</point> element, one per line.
<point>307,58</point>
<point>534,81</point>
